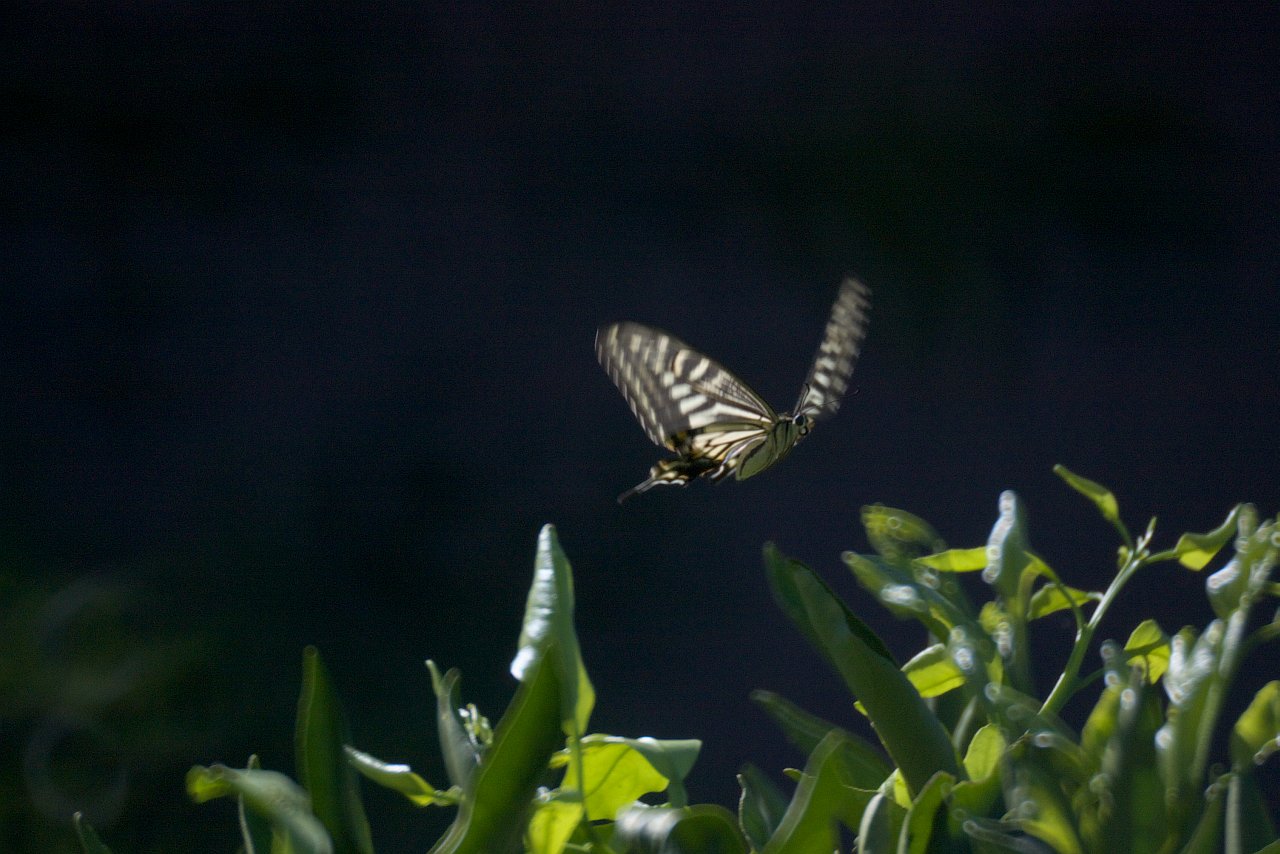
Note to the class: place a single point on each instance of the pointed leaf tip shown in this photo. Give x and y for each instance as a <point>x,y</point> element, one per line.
<point>1095,492</point>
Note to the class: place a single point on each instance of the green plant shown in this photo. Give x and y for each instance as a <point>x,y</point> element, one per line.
<point>499,776</point>
<point>975,761</point>
<point>982,765</point>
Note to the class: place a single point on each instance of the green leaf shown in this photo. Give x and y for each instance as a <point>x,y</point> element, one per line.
<point>914,738</point>
<point>255,828</point>
<point>933,671</point>
<point>400,778</point>
<point>461,755</point>
<point>1101,724</point>
<point>496,805</point>
<point>552,825</point>
<point>1148,648</point>
<point>917,829</point>
<point>1095,492</point>
<point>1194,551</point>
<point>702,829</point>
<point>1248,816</point>
<point>1008,555</point>
<point>903,595</point>
<point>992,836</point>
<point>1243,579</point>
<point>1193,684</point>
<point>1256,734</point>
<point>957,560</point>
<point>881,822</point>
<point>548,616</point>
<point>823,797</point>
<point>1052,598</point>
<point>615,773</point>
<point>270,794</point>
<point>863,763</point>
<point>1035,798</point>
<point>89,840</point>
<point>1206,838</point>
<point>986,748</point>
<point>1132,814</point>
<point>970,801</point>
<point>323,769</point>
<point>898,535</point>
<point>1010,564</point>
<point>672,758</point>
<point>760,807</point>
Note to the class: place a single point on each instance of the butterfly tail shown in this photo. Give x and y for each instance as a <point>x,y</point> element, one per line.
<point>675,471</point>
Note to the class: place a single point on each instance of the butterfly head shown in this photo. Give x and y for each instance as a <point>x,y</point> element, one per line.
<point>803,423</point>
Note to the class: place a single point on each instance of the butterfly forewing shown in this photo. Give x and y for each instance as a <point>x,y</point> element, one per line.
<point>838,353</point>
<point>672,388</point>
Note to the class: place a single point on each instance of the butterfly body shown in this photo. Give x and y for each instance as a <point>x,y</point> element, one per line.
<point>715,424</point>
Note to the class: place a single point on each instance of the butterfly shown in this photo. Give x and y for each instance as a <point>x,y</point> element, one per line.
<point>716,425</point>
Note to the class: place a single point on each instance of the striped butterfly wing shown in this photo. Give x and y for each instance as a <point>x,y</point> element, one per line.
<point>685,401</point>
<point>838,353</point>
<point>690,404</point>
<point>671,387</point>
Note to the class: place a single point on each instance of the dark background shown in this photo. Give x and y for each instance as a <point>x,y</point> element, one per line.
<point>297,332</point>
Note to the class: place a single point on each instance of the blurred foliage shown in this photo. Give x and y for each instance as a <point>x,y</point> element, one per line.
<point>91,693</point>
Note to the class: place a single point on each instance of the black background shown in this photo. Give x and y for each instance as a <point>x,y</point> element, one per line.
<point>299,305</point>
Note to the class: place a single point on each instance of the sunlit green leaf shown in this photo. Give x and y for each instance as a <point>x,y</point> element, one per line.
<point>400,778</point>
<point>615,773</point>
<point>1256,734</point>
<point>957,560</point>
<point>1148,647</point>
<point>552,824</point>
<point>548,616</point>
<point>1052,598</point>
<point>985,749</point>
<point>323,769</point>
<point>933,671</point>
<point>1194,551</point>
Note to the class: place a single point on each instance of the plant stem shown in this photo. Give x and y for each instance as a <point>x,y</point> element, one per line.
<point>1068,683</point>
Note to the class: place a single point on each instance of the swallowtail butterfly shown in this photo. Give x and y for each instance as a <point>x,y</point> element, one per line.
<point>689,404</point>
